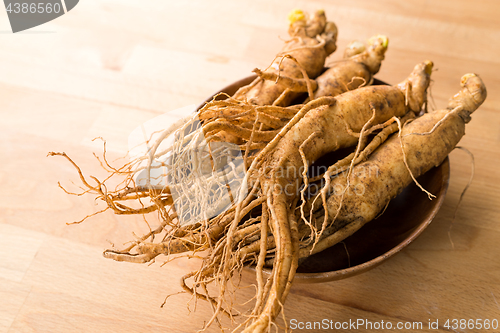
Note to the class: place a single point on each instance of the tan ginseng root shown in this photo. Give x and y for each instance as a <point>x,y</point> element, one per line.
<point>354,48</point>
<point>354,71</point>
<point>323,125</point>
<point>421,145</point>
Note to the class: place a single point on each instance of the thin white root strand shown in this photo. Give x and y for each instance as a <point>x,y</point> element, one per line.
<point>429,194</point>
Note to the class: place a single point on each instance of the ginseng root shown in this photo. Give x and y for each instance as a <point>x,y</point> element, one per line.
<point>421,145</point>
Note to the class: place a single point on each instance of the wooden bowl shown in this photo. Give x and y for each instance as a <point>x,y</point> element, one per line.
<point>404,220</point>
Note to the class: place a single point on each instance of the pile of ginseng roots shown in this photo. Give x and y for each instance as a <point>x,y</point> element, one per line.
<point>231,184</point>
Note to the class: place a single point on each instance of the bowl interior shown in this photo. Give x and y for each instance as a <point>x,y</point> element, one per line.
<point>403,221</point>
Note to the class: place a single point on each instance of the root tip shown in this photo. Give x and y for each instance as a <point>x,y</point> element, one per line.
<point>466,77</point>
<point>257,71</point>
<point>52,153</point>
<point>428,67</point>
<point>296,15</point>
<point>382,39</point>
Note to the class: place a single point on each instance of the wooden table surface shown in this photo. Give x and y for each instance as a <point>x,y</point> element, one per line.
<point>107,66</point>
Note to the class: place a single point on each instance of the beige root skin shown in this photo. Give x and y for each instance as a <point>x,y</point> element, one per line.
<point>412,87</point>
<point>295,85</point>
<point>343,165</point>
<point>342,76</point>
<point>300,26</point>
<point>354,48</point>
<point>373,55</point>
<point>470,97</point>
<point>353,72</point>
<point>427,141</point>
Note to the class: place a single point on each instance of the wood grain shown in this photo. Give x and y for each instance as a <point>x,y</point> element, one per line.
<point>107,66</point>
